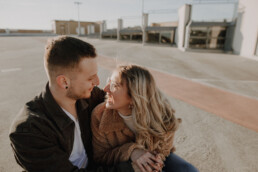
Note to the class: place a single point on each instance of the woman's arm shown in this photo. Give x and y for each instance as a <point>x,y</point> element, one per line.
<point>104,152</point>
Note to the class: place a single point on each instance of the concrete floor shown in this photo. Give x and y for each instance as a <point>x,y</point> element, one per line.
<point>208,141</point>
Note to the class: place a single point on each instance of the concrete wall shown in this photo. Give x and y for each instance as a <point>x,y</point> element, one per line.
<point>246,32</point>
<point>184,16</point>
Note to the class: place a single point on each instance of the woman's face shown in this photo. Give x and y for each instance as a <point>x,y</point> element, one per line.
<point>117,95</point>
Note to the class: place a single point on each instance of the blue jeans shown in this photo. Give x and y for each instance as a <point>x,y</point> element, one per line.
<point>174,163</point>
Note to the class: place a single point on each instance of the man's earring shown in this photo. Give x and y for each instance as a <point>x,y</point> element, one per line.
<point>66,87</point>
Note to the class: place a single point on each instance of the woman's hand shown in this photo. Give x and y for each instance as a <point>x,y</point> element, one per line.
<point>146,161</point>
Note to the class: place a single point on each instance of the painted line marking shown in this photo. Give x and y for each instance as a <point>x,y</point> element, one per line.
<point>224,80</point>
<point>10,70</point>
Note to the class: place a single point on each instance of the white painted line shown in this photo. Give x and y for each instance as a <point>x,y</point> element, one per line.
<point>225,80</point>
<point>10,70</point>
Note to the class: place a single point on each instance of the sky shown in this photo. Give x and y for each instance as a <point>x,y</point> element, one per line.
<point>39,14</point>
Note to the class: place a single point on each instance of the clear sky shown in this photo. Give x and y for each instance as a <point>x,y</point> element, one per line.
<point>38,14</point>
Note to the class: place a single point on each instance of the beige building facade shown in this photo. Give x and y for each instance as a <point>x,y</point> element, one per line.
<point>165,24</point>
<point>70,27</point>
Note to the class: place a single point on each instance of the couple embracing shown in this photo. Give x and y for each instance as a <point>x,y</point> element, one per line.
<point>75,126</point>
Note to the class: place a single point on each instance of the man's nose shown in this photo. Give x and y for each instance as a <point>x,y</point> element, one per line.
<point>96,81</point>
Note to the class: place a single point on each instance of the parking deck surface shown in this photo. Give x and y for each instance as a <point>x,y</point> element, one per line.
<point>216,95</point>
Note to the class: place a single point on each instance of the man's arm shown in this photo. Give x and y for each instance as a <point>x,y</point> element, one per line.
<point>37,153</point>
<point>37,146</point>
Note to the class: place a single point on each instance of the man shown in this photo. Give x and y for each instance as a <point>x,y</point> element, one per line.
<point>52,132</point>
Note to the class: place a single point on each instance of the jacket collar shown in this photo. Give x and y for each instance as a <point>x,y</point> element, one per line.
<point>56,112</point>
<point>111,121</point>
<point>81,105</point>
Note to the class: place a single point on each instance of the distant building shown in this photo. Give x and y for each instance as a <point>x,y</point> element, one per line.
<point>161,33</point>
<point>25,32</point>
<point>64,27</point>
<point>210,35</point>
<point>165,24</point>
<point>28,31</point>
<point>239,36</point>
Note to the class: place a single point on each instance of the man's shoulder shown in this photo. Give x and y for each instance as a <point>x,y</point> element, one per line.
<point>29,116</point>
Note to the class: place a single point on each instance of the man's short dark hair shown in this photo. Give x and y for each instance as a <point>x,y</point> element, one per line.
<point>66,52</point>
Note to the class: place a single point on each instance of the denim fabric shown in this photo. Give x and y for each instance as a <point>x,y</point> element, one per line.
<point>174,163</point>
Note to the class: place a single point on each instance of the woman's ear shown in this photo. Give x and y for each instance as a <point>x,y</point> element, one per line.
<point>63,82</point>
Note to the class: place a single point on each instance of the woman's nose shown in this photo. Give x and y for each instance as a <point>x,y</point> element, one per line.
<point>107,88</point>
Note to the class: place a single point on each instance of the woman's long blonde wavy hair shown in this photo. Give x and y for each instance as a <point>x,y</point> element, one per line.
<point>152,113</point>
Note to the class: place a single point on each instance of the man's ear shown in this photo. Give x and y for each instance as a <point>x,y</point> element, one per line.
<point>63,82</point>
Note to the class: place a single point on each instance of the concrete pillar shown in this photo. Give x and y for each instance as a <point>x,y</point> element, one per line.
<point>144,25</point>
<point>68,25</point>
<point>187,34</point>
<point>184,17</point>
<point>119,27</point>
<point>102,28</point>
<point>7,31</point>
<point>90,29</point>
<point>54,26</point>
<point>246,35</point>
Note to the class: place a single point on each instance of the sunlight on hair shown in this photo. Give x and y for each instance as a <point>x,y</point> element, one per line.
<point>152,113</point>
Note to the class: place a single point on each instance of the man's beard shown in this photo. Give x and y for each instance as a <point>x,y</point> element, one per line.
<point>72,95</point>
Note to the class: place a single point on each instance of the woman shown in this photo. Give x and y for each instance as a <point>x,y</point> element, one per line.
<point>135,116</point>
